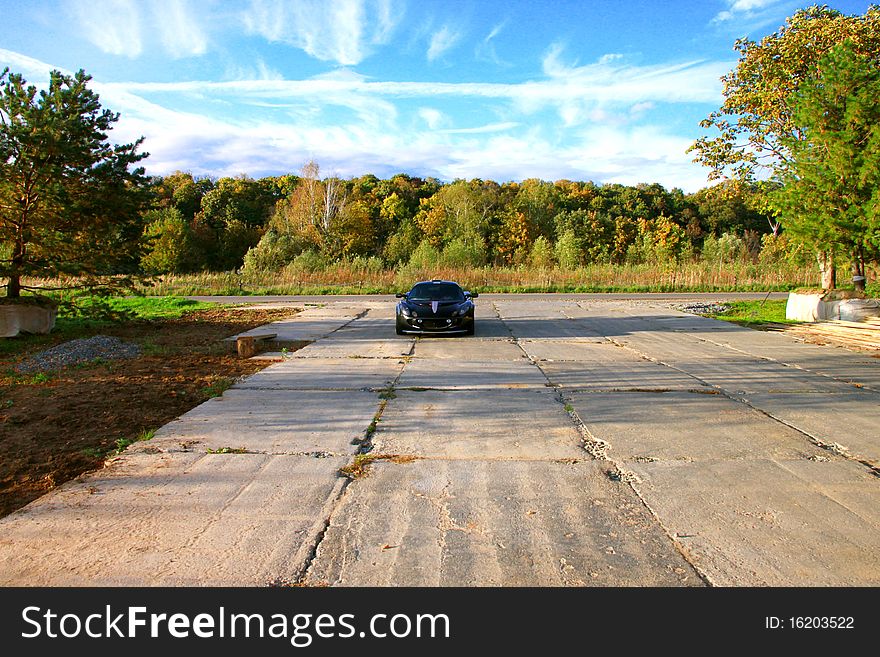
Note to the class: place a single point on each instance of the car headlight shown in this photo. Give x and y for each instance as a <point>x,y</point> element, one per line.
<point>407,312</point>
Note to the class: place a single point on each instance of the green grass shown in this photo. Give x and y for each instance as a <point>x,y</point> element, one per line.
<point>92,316</point>
<point>756,313</point>
<point>146,308</point>
<point>121,444</point>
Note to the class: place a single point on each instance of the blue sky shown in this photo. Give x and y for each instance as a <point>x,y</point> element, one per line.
<point>602,90</point>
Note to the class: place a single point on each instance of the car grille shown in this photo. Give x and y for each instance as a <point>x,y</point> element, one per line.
<point>434,323</point>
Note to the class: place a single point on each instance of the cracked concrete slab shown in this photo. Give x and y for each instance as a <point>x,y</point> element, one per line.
<point>770,523</point>
<point>529,328</point>
<point>623,374</point>
<point>467,350</point>
<point>501,425</point>
<point>686,426</point>
<point>486,374</point>
<point>745,375</point>
<point>851,420</point>
<point>491,523</point>
<point>270,422</point>
<point>173,520</point>
<point>590,350</point>
<point>311,324</point>
<point>343,346</point>
<point>325,374</point>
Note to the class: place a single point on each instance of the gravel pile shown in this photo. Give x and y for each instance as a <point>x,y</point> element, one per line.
<point>704,308</point>
<point>78,351</point>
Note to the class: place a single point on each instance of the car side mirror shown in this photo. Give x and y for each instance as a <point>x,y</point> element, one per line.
<point>400,295</point>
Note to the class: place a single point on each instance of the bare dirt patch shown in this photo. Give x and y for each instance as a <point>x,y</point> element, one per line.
<point>56,425</point>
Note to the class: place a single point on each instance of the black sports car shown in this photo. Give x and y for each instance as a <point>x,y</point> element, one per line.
<point>436,307</point>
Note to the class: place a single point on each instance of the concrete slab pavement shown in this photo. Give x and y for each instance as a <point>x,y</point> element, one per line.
<point>306,422</point>
<point>770,523</point>
<point>685,426</point>
<point>326,374</point>
<point>494,424</point>
<point>494,523</point>
<point>851,420</point>
<point>189,519</point>
<point>479,473</point>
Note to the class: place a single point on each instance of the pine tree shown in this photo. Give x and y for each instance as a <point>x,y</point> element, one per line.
<point>70,203</point>
<point>830,184</point>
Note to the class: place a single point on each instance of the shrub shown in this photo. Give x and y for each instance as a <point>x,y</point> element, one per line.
<point>272,253</point>
<point>541,255</point>
<point>461,252</point>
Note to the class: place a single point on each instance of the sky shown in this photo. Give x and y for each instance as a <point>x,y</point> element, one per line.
<point>610,91</point>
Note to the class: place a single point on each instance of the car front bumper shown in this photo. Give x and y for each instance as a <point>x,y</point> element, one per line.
<point>435,324</point>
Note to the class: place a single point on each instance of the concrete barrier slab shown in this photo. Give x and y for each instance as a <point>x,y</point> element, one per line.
<point>511,523</point>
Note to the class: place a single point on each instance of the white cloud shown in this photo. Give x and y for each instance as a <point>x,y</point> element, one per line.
<point>179,28</point>
<point>441,41</point>
<point>342,31</point>
<point>482,129</point>
<point>752,13</point>
<point>273,126</point>
<point>433,118</point>
<point>126,27</point>
<point>485,50</point>
<point>113,26</point>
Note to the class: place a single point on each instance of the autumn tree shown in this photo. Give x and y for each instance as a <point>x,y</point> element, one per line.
<point>70,202</point>
<point>831,179</point>
<point>755,122</point>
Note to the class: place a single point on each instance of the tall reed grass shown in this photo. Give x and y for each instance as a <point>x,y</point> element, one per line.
<point>342,278</point>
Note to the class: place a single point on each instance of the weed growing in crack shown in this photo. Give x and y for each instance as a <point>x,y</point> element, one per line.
<point>218,387</point>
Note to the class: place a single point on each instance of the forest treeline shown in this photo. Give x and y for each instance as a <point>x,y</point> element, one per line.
<point>308,222</point>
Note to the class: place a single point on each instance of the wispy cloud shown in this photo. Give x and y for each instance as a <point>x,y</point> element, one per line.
<point>181,32</point>
<point>265,127</point>
<point>750,14</point>
<point>433,118</point>
<point>485,49</point>
<point>126,27</point>
<point>113,26</point>
<point>343,31</point>
<point>441,41</point>
<point>483,129</point>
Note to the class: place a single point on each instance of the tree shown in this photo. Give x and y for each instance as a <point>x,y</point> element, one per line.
<point>831,179</point>
<point>170,245</point>
<point>70,203</point>
<point>755,121</point>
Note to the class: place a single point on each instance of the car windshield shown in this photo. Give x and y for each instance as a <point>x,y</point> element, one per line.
<point>436,292</point>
